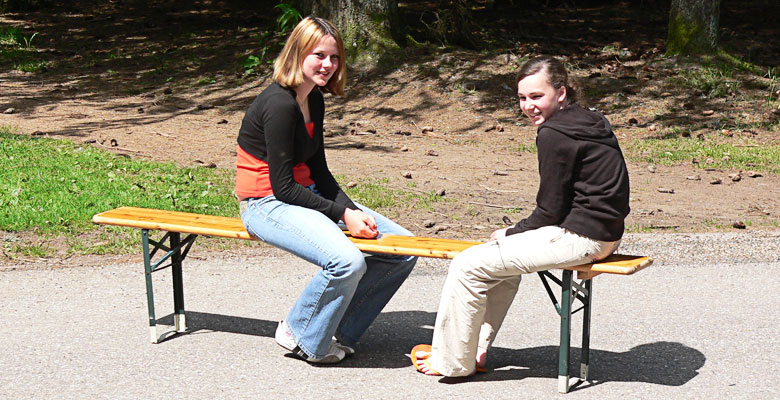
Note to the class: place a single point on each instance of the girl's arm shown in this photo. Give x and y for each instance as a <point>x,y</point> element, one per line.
<point>557,162</point>
<point>279,123</point>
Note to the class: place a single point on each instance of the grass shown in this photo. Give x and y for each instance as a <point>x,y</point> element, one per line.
<point>53,187</point>
<point>712,81</point>
<point>670,151</point>
<point>377,195</point>
<point>17,49</point>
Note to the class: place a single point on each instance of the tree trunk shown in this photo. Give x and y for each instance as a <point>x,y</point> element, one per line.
<point>693,27</point>
<point>369,27</point>
<point>454,24</point>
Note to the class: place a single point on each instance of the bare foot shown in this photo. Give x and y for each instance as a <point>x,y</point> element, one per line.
<point>423,365</point>
<point>481,359</point>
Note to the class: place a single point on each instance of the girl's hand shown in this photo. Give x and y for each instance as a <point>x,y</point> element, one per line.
<point>360,224</point>
<point>501,233</point>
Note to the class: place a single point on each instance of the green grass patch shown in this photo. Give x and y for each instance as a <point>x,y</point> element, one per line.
<point>18,52</point>
<point>526,148</point>
<point>56,186</point>
<point>377,195</point>
<point>709,154</point>
<point>711,80</point>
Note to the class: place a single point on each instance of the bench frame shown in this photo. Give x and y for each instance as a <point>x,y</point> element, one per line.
<point>176,249</point>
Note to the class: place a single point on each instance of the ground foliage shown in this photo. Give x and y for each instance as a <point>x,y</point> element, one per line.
<point>170,81</point>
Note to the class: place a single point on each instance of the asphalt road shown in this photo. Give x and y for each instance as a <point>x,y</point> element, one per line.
<point>678,330</point>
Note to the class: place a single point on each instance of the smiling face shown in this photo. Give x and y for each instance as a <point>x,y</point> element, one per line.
<point>539,100</point>
<point>322,62</point>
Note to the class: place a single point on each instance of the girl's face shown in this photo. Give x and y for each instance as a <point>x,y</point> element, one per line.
<point>539,100</point>
<point>322,63</point>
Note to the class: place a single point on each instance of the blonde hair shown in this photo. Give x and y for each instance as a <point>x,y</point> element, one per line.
<point>303,39</point>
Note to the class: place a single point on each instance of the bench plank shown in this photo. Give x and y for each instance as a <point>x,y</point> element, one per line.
<point>229,227</point>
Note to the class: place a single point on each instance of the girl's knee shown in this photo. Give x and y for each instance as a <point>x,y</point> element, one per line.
<point>473,265</point>
<point>349,264</point>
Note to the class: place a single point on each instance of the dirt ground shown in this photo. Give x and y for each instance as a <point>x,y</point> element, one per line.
<point>163,81</point>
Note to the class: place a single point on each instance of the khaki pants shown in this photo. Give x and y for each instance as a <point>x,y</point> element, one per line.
<point>482,282</point>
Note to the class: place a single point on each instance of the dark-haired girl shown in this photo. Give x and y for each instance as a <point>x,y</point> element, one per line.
<point>580,208</point>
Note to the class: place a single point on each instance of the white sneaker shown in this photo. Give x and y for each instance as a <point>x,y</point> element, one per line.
<point>285,339</point>
<point>347,350</point>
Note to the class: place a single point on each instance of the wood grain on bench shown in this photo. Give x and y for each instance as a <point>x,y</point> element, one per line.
<point>209,225</point>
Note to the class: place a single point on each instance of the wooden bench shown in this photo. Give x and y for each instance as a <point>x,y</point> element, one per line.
<point>175,223</point>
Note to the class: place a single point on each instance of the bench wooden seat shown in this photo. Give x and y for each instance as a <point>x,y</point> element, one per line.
<point>227,227</point>
<point>175,223</point>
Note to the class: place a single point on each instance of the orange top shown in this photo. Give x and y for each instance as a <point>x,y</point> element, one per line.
<point>253,179</point>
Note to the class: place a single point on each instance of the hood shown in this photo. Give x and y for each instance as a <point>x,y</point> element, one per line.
<point>581,124</point>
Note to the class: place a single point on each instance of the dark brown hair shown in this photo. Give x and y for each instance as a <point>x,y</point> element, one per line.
<point>556,74</point>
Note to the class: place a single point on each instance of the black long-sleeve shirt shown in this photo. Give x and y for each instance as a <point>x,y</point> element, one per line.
<point>584,185</point>
<point>273,130</point>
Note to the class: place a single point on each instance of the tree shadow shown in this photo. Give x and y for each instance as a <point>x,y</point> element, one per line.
<point>393,334</point>
<point>118,50</point>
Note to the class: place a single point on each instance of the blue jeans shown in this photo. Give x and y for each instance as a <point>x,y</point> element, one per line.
<point>349,291</point>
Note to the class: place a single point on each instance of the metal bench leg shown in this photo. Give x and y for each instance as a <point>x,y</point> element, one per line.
<point>563,356</point>
<point>149,290</point>
<point>178,285</point>
<point>586,330</point>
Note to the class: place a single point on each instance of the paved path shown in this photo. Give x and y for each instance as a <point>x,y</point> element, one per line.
<point>675,330</point>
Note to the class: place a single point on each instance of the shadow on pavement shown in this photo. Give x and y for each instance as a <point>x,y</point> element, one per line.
<point>387,344</point>
<point>662,363</point>
<point>199,321</point>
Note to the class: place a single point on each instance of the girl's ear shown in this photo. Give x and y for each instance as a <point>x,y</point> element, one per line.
<point>562,94</point>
